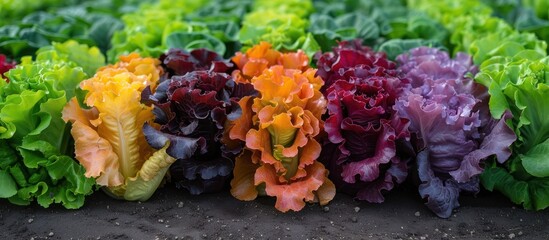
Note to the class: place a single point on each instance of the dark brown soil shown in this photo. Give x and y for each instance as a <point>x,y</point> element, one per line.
<point>174,214</point>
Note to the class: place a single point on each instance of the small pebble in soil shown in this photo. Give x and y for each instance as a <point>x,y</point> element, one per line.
<point>511,235</point>
<point>160,220</point>
<point>167,226</point>
<point>422,238</point>
<point>50,234</point>
<point>180,204</point>
<point>357,209</point>
<point>117,223</point>
<point>326,209</point>
<point>31,220</point>
<point>520,233</point>
<point>32,238</point>
<point>417,214</point>
<point>354,219</point>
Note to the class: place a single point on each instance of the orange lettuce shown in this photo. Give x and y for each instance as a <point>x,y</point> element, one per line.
<point>262,56</point>
<point>279,129</point>
<point>109,140</point>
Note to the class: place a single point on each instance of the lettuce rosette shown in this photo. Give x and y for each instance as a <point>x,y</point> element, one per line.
<point>281,23</point>
<point>279,128</point>
<point>184,24</point>
<point>36,160</point>
<point>520,84</point>
<point>375,22</point>
<point>90,22</point>
<point>449,117</point>
<point>108,128</point>
<point>363,130</point>
<point>193,104</point>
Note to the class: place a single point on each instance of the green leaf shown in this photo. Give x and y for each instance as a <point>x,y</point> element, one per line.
<point>532,194</point>
<point>395,47</point>
<point>8,187</point>
<point>535,161</point>
<point>190,41</point>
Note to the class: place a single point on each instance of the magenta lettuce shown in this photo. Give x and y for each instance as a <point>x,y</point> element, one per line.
<point>5,66</point>
<point>362,127</point>
<point>344,58</point>
<point>192,104</point>
<point>454,131</point>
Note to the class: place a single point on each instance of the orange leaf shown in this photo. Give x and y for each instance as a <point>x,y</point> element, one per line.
<point>242,184</point>
<point>293,195</point>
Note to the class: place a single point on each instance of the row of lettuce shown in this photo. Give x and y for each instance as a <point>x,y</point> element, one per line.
<point>237,99</point>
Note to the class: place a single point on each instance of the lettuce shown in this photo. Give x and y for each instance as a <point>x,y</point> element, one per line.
<point>363,129</point>
<point>282,26</point>
<point>91,24</point>
<point>36,162</point>
<point>279,128</point>
<point>193,104</point>
<point>374,22</point>
<point>154,29</point>
<point>109,132</point>
<point>454,134</point>
<point>520,84</point>
<point>5,66</point>
<point>523,15</point>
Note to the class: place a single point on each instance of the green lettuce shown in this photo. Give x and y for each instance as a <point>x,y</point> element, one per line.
<point>91,23</point>
<point>185,24</point>
<point>36,152</point>
<point>282,26</point>
<point>520,84</point>
<point>374,22</point>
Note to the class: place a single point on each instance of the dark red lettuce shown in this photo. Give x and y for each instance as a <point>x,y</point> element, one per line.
<point>362,128</point>
<point>5,66</point>
<point>450,120</point>
<point>192,103</point>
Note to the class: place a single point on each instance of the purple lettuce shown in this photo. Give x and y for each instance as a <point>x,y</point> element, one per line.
<point>194,100</point>
<point>362,128</point>
<point>450,120</point>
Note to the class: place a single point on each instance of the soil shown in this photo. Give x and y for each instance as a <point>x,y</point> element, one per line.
<point>174,214</point>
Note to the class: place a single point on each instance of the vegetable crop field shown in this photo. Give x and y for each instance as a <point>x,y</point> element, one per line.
<point>274,119</point>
